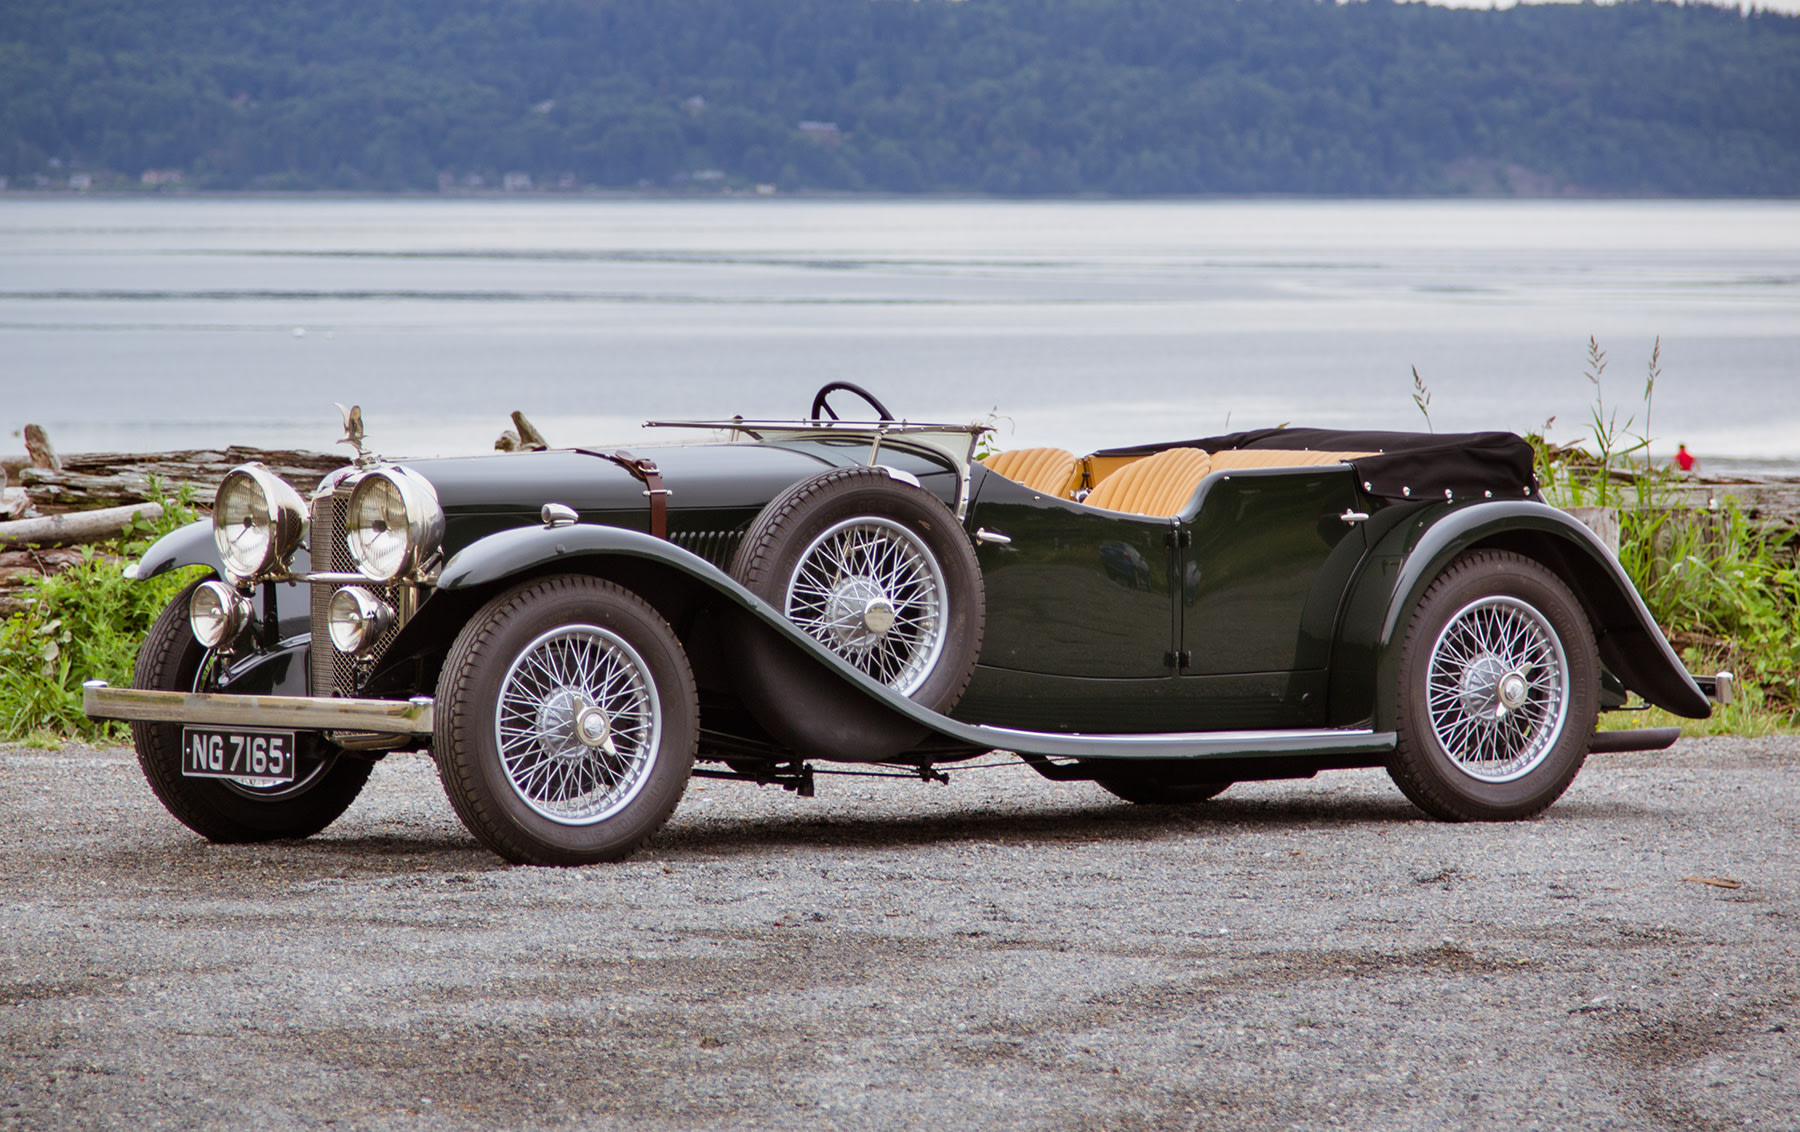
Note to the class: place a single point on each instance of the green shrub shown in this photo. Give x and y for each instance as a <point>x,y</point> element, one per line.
<point>83,624</point>
<point>1724,588</point>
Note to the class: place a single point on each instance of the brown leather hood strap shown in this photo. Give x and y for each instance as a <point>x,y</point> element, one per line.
<point>644,469</point>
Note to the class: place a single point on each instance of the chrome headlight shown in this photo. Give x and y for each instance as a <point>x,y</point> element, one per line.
<point>217,613</point>
<point>356,618</point>
<point>258,520</point>
<point>394,524</point>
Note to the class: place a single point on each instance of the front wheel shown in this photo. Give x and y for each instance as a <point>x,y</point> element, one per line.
<point>229,810</point>
<point>1498,695</point>
<point>567,721</point>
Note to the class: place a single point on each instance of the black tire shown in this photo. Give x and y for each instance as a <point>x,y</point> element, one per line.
<point>1158,790</point>
<point>325,782</point>
<point>927,650</point>
<point>537,660</point>
<point>1499,691</point>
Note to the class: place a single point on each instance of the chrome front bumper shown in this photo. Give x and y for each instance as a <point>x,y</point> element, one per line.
<point>299,713</point>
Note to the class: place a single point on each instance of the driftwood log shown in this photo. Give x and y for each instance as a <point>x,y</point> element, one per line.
<point>78,527</point>
<point>89,498</point>
<point>111,479</point>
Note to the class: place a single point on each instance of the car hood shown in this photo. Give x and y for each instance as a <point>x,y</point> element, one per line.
<point>697,476</point>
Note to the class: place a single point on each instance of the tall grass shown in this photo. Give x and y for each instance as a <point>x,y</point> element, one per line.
<point>85,623</point>
<point>1725,588</point>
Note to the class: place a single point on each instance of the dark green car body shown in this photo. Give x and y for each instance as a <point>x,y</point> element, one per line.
<point>1259,627</point>
<point>575,633</point>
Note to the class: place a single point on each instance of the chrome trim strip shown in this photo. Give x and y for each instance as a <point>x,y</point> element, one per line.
<point>304,713</point>
<point>1189,744</point>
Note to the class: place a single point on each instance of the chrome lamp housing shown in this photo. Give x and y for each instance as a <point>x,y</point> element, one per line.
<point>259,521</point>
<point>394,526</point>
<point>217,613</point>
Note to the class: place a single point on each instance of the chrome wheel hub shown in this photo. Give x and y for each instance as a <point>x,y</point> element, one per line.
<point>577,724</point>
<point>870,590</point>
<point>1497,688</point>
<point>857,614</point>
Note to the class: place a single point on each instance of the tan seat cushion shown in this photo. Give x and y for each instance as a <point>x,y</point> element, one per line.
<point>1278,458</point>
<point>1049,470</point>
<point>1155,485</point>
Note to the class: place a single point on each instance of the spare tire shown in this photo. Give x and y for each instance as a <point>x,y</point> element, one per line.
<point>879,572</point>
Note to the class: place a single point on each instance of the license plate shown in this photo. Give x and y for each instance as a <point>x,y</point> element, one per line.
<point>251,755</point>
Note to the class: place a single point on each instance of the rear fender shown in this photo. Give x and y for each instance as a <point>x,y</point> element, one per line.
<point>1631,645</point>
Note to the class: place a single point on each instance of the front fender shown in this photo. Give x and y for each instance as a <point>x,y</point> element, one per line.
<point>799,690</point>
<point>1631,644</point>
<point>191,545</point>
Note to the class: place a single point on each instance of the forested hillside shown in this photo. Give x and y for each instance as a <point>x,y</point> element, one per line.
<point>1006,96</point>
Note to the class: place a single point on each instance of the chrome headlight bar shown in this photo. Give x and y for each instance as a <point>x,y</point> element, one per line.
<point>395,525</point>
<point>258,521</point>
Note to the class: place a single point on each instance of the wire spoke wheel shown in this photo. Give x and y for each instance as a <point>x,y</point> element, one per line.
<point>577,724</point>
<point>1497,688</point>
<point>870,590</point>
<point>231,809</point>
<point>876,571</point>
<point>567,721</point>
<point>1498,691</point>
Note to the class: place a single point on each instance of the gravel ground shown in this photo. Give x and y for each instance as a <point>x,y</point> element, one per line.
<point>1002,952</point>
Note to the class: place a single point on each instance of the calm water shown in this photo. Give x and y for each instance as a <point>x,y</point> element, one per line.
<point>141,325</point>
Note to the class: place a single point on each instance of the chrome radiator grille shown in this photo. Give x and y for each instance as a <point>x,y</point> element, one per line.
<point>333,673</point>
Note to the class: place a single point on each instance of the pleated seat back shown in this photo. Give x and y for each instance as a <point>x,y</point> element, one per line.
<point>1155,485</point>
<point>1047,470</point>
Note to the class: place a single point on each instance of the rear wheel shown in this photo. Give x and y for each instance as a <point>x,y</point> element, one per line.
<point>227,810</point>
<point>566,724</point>
<point>1499,691</point>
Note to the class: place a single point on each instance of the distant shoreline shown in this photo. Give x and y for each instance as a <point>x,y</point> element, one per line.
<point>816,195</point>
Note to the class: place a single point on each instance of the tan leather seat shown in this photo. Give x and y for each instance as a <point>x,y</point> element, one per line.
<point>1049,470</point>
<point>1278,458</point>
<point>1155,485</point>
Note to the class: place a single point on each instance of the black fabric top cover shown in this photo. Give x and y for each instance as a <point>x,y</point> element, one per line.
<point>1408,465</point>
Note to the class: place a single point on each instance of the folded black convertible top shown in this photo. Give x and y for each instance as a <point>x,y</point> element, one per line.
<point>1408,465</point>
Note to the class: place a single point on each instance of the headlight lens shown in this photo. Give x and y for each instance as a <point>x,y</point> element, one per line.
<point>217,613</point>
<point>356,619</point>
<point>258,520</point>
<point>394,524</point>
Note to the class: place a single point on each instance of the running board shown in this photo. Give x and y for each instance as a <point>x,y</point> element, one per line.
<point>1181,745</point>
<point>1643,739</point>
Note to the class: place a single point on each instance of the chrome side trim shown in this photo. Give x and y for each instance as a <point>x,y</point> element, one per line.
<point>1190,744</point>
<point>304,713</point>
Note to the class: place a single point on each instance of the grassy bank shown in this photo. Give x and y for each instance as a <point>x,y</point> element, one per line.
<point>84,623</point>
<point>1724,586</point>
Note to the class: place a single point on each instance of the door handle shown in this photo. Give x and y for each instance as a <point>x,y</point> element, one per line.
<point>995,537</point>
<point>1350,516</point>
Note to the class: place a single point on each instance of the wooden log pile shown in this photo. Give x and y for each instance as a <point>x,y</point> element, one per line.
<point>51,505</point>
<point>87,480</point>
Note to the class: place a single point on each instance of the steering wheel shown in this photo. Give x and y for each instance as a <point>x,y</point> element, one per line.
<point>820,407</point>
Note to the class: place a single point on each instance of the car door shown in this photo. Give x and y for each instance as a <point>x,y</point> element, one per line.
<point>1073,591</point>
<point>1264,564</point>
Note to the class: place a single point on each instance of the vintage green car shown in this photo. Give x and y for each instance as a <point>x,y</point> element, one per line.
<point>574,633</point>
